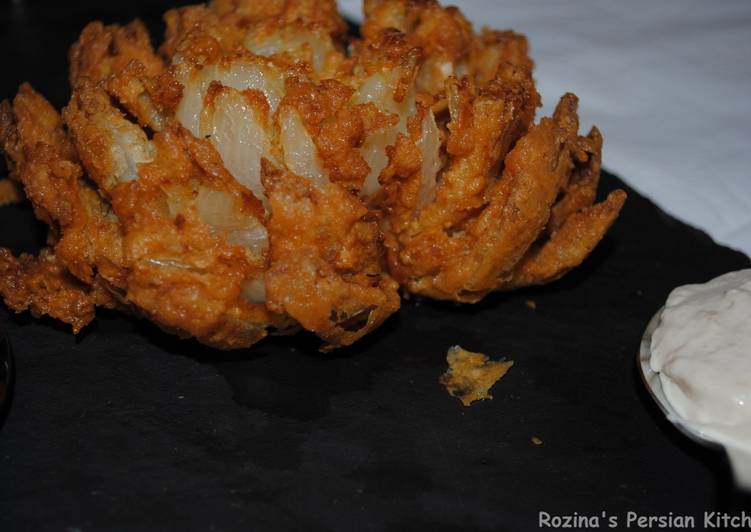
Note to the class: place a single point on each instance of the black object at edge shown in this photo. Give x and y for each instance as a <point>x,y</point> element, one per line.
<point>6,376</point>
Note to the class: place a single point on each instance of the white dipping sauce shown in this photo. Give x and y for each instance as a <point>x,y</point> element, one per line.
<point>702,352</point>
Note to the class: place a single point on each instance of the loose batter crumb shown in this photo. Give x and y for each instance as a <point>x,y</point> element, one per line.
<point>471,375</point>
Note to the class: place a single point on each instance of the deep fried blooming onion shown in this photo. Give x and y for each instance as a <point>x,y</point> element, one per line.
<point>262,171</point>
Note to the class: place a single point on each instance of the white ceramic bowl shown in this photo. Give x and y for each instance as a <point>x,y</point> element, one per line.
<point>740,459</point>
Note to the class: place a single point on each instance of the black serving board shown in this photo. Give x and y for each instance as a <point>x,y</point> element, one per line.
<point>127,428</point>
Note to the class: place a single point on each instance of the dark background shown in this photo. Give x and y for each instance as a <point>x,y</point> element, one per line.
<point>35,37</point>
<point>125,427</point>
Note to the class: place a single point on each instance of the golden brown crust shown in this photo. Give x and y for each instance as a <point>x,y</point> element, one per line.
<point>569,245</point>
<point>199,34</point>
<point>494,49</point>
<point>582,187</point>
<point>326,269</point>
<point>337,128</point>
<point>28,121</point>
<point>173,267</point>
<point>439,252</point>
<point>123,60</point>
<point>102,50</point>
<point>184,272</point>
<point>471,238</point>
<point>149,99</point>
<point>440,32</point>
<point>43,286</point>
<point>43,159</point>
<point>321,13</point>
<point>205,31</point>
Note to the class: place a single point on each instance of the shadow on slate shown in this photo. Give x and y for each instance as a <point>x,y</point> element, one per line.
<point>126,427</point>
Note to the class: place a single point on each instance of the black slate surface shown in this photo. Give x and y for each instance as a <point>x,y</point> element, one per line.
<point>127,428</point>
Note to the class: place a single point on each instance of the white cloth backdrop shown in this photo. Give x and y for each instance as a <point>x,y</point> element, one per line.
<point>667,82</point>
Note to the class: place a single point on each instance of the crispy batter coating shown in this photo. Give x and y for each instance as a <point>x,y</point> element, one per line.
<point>193,238</point>
<point>494,50</point>
<point>199,32</point>
<point>262,172</point>
<point>336,125</point>
<point>44,286</point>
<point>569,245</point>
<point>448,247</point>
<point>44,160</point>
<point>322,13</point>
<point>123,60</point>
<point>151,247</point>
<point>471,238</point>
<point>326,264</point>
<point>444,36</point>
<point>102,50</point>
<point>193,244</point>
<point>269,27</point>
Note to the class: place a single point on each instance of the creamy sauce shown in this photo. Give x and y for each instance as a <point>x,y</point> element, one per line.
<point>702,352</point>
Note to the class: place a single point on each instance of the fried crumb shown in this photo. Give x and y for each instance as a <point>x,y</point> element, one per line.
<point>10,192</point>
<point>536,440</point>
<point>471,375</point>
<point>531,304</point>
